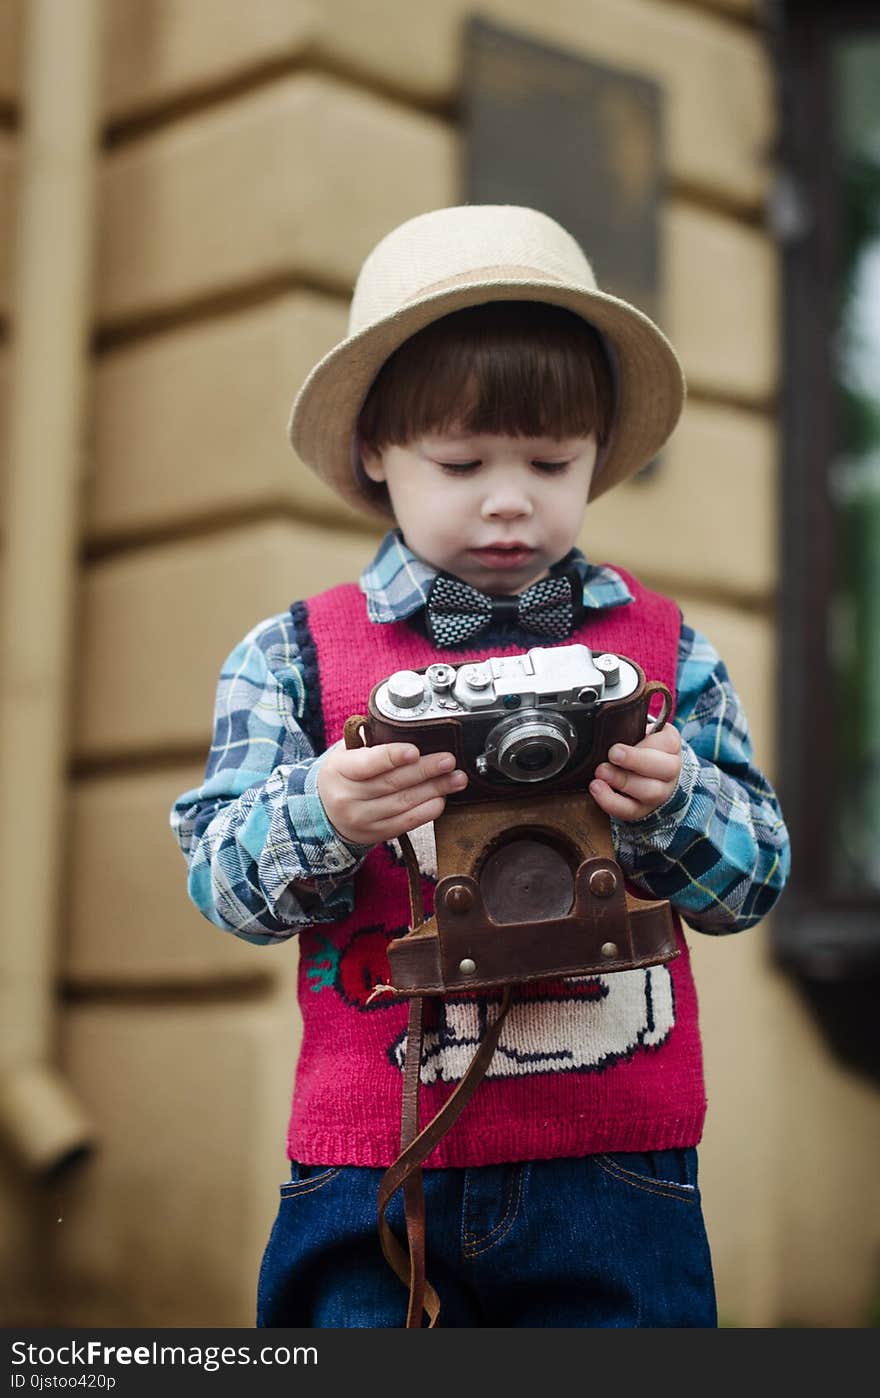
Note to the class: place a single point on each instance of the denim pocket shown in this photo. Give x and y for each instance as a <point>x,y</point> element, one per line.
<point>672,1173</point>
<point>305,1179</point>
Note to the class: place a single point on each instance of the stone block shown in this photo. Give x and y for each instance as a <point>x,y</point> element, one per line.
<point>721,290</point>
<point>166,1225</point>
<point>706,517</point>
<point>128,918</point>
<point>296,181</point>
<point>157,623</point>
<point>159,51</point>
<point>192,425</point>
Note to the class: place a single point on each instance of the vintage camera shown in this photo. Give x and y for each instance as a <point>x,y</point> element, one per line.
<point>528,886</point>
<point>546,717</point>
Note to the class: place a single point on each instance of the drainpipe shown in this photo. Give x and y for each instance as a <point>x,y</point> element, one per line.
<point>40,1118</point>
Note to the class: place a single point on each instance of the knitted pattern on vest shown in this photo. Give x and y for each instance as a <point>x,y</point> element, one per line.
<point>584,1065</point>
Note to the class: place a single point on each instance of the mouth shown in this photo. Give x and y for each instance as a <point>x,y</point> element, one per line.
<point>504,555</point>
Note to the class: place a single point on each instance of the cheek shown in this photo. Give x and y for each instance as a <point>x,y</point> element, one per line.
<point>440,506</point>
<point>406,497</point>
<point>431,515</point>
<point>569,505</point>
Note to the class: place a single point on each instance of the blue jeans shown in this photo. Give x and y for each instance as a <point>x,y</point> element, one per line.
<point>603,1240</point>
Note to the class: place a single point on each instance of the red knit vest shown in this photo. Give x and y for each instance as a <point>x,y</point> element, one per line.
<point>605,1063</point>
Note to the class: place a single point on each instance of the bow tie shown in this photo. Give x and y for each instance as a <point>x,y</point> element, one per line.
<point>455,611</point>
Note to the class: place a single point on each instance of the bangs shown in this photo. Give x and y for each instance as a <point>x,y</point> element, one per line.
<point>512,368</point>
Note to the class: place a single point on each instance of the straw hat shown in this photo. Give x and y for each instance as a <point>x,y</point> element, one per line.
<point>443,261</point>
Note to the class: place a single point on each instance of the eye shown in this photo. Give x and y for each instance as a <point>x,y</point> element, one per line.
<point>551,468</point>
<point>458,468</point>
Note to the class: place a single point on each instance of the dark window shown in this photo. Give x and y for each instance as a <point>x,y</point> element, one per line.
<point>580,140</point>
<point>828,213</point>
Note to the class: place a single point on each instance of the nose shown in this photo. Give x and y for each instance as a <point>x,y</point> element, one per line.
<point>506,500</point>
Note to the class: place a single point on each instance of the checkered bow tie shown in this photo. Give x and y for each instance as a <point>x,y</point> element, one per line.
<point>455,611</point>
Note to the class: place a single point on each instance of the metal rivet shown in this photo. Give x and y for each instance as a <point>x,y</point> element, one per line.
<point>459,898</point>
<point>602,883</point>
<point>609,949</point>
<point>467,967</point>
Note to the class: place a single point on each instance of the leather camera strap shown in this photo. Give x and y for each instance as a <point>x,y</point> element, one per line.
<point>406,1170</point>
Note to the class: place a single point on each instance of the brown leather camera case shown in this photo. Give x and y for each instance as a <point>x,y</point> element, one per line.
<point>464,946</point>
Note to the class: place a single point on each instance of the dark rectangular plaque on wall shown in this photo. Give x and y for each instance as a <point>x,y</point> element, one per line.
<point>577,139</point>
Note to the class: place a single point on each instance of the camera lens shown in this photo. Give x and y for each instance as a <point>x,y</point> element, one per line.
<point>531,746</point>
<point>534,758</point>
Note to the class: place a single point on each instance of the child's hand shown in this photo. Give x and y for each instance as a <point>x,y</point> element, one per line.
<point>638,779</point>
<point>374,794</point>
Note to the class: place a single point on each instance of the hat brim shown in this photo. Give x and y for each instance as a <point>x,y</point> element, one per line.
<point>649,382</point>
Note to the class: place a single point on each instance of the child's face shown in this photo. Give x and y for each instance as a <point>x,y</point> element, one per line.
<point>496,511</point>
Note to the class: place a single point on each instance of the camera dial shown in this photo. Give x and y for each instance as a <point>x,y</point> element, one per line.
<point>609,667</point>
<point>406,689</point>
<point>477,676</point>
<point>440,677</point>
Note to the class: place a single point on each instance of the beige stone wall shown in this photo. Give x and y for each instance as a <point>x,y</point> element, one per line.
<point>254,155</point>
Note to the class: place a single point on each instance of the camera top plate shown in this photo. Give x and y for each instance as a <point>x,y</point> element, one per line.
<point>559,677</point>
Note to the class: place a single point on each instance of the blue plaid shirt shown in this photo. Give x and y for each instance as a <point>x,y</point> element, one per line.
<point>264,861</point>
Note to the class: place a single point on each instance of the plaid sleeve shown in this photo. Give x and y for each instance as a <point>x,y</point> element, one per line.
<point>718,849</point>
<point>263,859</point>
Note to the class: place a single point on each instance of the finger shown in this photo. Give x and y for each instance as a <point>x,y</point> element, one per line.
<point>412,774</point>
<point>645,761</point>
<point>615,804</point>
<point>407,821</point>
<point>361,764</point>
<point>391,766</point>
<point>644,789</point>
<point>396,803</point>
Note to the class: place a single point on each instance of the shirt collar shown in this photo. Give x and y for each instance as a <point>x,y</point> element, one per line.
<point>396,583</point>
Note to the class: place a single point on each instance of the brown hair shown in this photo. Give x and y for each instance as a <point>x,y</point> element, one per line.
<point>518,368</point>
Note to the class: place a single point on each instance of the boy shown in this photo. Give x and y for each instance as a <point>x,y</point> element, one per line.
<point>486,391</point>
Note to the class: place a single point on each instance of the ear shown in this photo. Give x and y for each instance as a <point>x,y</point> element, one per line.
<point>372,462</point>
